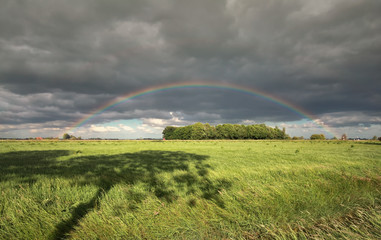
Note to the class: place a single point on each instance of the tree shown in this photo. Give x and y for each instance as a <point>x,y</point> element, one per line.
<point>261,131</point>
<point>280,134</point>
<point>374,138</point>
<point>198,131</point>
<point>379,138</point>
<point>183,133</point>
<point>317,137</point>
<point>210,131</point>
<point>66,136</point>
<point>168,132</point>
<point>344,137</point>
<point>251,132</point>
<point>224,131</point>
<point>240,131</point>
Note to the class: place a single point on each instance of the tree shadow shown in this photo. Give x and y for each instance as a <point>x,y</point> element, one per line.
<point>189,174</point>
<point>25,165</point>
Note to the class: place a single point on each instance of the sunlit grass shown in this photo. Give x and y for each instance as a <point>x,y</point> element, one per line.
<point>190,190</point>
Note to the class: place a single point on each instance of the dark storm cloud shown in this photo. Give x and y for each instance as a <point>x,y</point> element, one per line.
<point>63,59</point>
<point>352,119</point>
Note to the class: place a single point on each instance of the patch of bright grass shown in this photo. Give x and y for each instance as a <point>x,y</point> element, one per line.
<point>190,190</point>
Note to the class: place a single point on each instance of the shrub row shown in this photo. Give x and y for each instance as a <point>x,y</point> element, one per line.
<point>199,131</point>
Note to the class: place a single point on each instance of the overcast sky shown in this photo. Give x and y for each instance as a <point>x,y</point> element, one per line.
<point>61,60</point>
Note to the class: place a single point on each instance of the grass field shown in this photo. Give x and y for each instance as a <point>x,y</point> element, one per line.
<point>190,190</point>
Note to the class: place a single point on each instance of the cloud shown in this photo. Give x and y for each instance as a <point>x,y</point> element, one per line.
<point>126,128</point>
<point>156,125</point>
<point>95,128</point>
<point>350,119</point>
<point>65,62</point>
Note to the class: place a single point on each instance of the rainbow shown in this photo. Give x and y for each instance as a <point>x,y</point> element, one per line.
<point>173,86</point>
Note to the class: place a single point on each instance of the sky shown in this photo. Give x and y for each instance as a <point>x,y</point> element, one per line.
<point>62,61</point>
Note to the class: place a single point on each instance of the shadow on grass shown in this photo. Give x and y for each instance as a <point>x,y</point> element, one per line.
<point>105,171</point>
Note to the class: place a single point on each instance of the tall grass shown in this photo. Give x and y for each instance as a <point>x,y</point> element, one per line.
<point>190,190</point>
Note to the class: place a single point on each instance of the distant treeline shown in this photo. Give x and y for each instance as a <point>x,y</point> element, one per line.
<point>199,131</point>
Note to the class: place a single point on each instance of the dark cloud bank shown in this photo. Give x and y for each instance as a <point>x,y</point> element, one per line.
<point>59,60</point>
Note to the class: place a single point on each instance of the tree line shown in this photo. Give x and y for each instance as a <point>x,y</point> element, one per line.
<point>200,131</point>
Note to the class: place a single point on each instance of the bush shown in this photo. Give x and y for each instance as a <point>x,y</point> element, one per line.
<point>66,136</point>
<point>317,137</point>
<point>297,138</point>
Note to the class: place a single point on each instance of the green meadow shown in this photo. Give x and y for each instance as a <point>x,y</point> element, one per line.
<point>190,190</point>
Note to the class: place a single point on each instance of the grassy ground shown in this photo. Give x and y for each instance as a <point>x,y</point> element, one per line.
<point>190,190</point>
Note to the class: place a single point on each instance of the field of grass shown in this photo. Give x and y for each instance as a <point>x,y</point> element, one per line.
<point>190,190</point>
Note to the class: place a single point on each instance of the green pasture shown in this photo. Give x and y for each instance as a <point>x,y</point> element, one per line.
<point>190,190</point>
